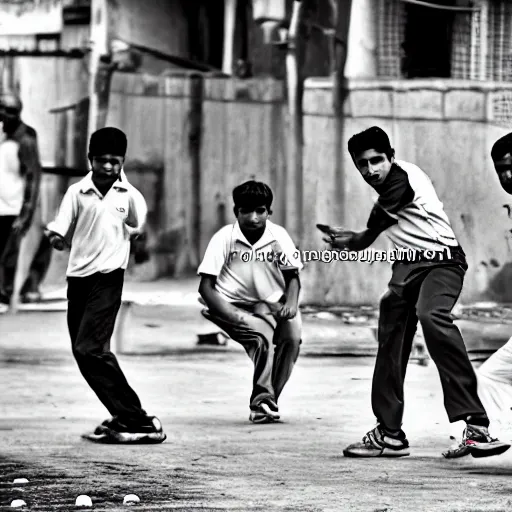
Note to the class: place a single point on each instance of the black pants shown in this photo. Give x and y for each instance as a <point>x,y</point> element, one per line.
<point>93,304</point>
<point>38,268</point>
<point>419,291</point>
<point>9,250</point>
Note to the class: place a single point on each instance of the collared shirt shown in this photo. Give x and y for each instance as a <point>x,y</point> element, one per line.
<point>20,172</point>
<point>409,207</point>
<point>247,273</point>
<point>98,227</point>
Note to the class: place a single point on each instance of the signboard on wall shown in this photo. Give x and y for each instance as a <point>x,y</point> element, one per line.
<point>30,17</point>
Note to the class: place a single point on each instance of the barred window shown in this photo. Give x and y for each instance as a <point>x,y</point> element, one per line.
<point>460,39</point>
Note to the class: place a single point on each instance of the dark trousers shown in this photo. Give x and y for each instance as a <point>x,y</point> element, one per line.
<point>93,304</point>
<point>38,268</point>
<point>9,250</point>
<point>419,291</point>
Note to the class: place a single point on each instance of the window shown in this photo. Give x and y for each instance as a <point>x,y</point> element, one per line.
<point>459,39</point>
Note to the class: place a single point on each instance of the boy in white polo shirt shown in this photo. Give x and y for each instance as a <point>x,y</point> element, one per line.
<point>97,218</point>
<point>423,287</point>
<point>250,284</point>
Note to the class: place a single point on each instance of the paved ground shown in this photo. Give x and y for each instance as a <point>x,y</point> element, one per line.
<point>214,459</point>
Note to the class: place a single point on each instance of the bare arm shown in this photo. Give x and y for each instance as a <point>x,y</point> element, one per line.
<point>291,304</point>
<point>215,302</point>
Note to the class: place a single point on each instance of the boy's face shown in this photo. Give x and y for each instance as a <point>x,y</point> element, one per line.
<point>252,219</point>
<point>373,166</point>
<point>106,168</point>
<point>503,167</point>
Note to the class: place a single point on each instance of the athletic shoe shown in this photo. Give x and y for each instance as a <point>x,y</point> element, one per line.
<point>376,443</point>
<point>31,298</point>
<point>4,308</point>
<point>115,430</point>
<point>263,414</point>
<point>477,442</point>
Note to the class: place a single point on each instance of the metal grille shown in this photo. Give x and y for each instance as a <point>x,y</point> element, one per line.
<point>499,63</point>
<point>465,56</point>
<point>390,35</point>
<point>481,42</point>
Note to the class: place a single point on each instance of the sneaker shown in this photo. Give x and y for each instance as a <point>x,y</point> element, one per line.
<point>4,308</point>
<point>376,443</point>
<point>263,414</point>
<point>477,442</point>
<point>31,298</point>
<point>115,430</point>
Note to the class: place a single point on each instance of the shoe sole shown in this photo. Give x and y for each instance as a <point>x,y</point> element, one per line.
<point>263,419</point>
<point>111,437</point>
<point>384,453</point>
<point>268,415</point>
<point>484,450</point>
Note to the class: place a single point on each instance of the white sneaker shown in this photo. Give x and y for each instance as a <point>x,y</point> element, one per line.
<point>4,308</point>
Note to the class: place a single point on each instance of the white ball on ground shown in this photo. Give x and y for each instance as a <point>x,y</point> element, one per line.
<point>18,504</point>
<point>20,481</point>
<point>130,499</point>
<point>83,501</point>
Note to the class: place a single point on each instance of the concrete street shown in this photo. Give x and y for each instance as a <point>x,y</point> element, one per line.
<point>214,459</point>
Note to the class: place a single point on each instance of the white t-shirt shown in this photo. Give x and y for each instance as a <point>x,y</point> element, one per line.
<point>247,274</point>
<point>408,201</point>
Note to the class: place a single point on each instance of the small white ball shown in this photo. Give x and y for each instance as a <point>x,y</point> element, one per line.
<point>83,501</point>
<point>18,504</point>
<point>20,481</point>
<point>129,499</point>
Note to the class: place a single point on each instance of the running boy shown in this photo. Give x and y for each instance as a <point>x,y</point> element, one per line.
<point>97,218</point>
<point>250,284</point>
<point>424,287</point>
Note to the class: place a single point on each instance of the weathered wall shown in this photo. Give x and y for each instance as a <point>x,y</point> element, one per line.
<point>44,83</point>
<point>447,128</point>
<point>243,138</point>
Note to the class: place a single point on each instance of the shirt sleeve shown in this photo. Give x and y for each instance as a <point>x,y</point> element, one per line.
<point>396,195</point>
<point>214,256</point>
<point>137,213</point>
<point>64,223</point>
<point>288,255</point>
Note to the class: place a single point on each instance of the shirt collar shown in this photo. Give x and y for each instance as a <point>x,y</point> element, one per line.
<point>88,184</point>
<point>266,238</point>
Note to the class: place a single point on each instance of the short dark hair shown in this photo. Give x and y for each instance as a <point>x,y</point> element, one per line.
<point>108,141</point>
<point>501,147</point>
<point>372,138</point>
<point>251,194</point>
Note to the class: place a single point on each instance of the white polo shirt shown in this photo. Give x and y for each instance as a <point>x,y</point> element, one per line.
<point>247,274</point>
<point>96,226</point>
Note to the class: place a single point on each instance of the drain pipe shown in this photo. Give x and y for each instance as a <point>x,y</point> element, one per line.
<point>294,85</point>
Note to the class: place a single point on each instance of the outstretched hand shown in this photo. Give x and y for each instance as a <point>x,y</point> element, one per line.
<point>341,238</point>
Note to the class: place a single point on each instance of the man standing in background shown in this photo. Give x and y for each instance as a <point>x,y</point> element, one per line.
<point>20,177</point>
